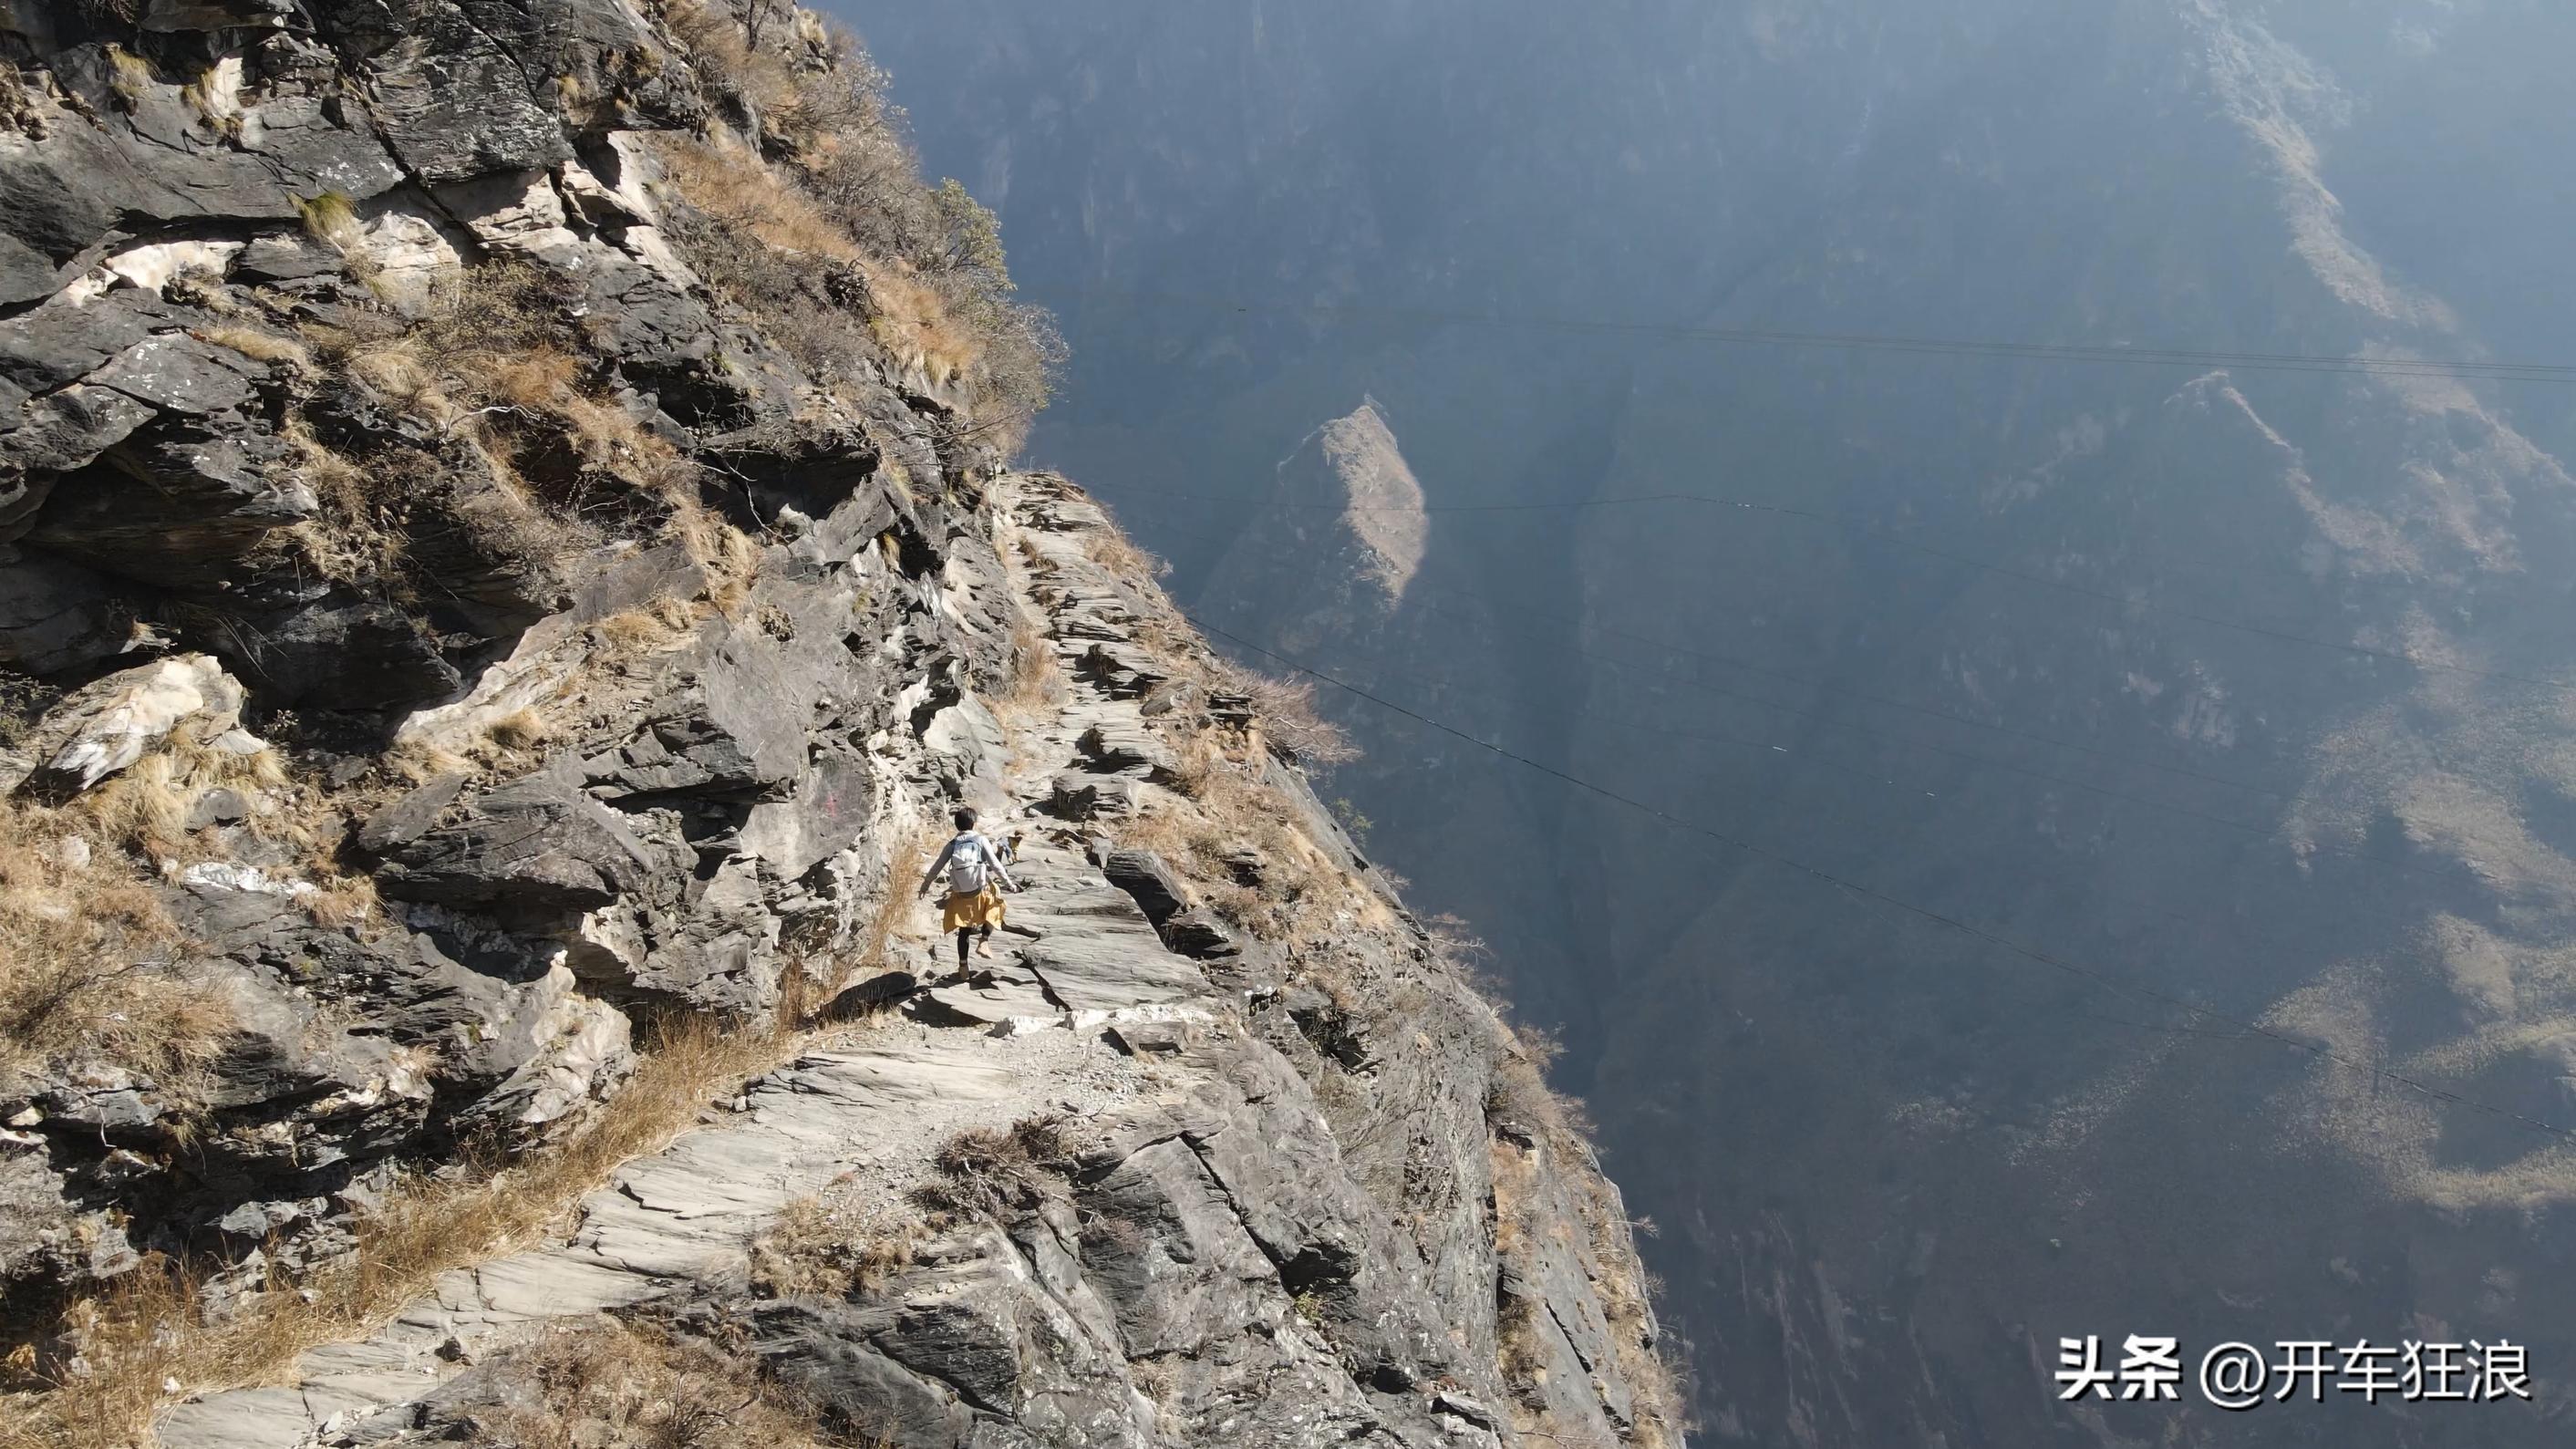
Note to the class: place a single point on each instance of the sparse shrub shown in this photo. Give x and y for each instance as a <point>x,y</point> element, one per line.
<point>23,700</point>
<point>988,1170</point>
<point>812,1249</point>
<point>1286,711</point>
<point>605,1382</point>
<point>1115,552</point>
<point>921,270</point>
<point>521,731</point>
<point>1357,824</point>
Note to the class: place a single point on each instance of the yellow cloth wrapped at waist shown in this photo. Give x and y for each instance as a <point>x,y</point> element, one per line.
<point>972,912</point>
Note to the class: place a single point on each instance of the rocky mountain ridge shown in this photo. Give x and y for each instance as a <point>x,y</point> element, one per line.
<point>508,564</point>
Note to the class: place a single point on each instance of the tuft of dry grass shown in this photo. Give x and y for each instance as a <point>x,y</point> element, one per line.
<point>904,864</point>
<point>129,76</point>
<point>1226,816</point>
<point>342,899</point>
<point>147,1341</point>
<point>144,808</point>
<point>1036,691</point>
<point>1116,552</point>
<point>630,636</point>
<point>92,968</point>
<point>331,219</point>
<point>725,554</point>
<point>255,344</point>
<point>991,1170</point>
<point>521,731</point>
<point>811,1250</point>
<point>605,1382</point>
<point>1285,710</point>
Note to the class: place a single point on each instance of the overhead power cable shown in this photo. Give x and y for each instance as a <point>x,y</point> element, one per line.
<point>1413,600</point>
<point>1993,938</point>
<point>1796,758</point>
<point>2468,875</point>
<point>2122,601</point>
<point>1982,762</point>
<point>1854,341</point>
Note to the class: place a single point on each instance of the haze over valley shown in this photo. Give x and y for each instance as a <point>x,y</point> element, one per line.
<point>2055,524</point>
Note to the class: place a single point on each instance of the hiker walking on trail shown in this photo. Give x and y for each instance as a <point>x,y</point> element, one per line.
<point>975,883</point>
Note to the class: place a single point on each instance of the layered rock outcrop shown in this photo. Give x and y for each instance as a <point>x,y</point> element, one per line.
<point>507,568</point>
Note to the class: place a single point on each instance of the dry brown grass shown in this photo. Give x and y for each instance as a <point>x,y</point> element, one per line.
<point>147,1341</point>
<point>892,920</point>
<point>725,554</point>
<point>330,218</point>
<point>771,236</point>
<point>520,732</point>
<point>992,1170</point>
<point>749,59</point>
<point>353,539</point>
<point>740,191</point>
<point>129,76</point>
<point>812,1249</point>
<point>604,1382</point>
<point>644,630</point>
<point>1116,552</point>
<point>844,205</point>
<point>913,322</point>
<point>1037,690</point>
<point>91,966</point>
<point>1285,711</point>
<point>144,807</point>
<point>340,898</point>
<point>494,364</point>
<point>255,344</point>
<point>1227,812</point>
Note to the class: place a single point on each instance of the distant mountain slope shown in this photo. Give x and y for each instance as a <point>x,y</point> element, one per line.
<point>2213,677</point>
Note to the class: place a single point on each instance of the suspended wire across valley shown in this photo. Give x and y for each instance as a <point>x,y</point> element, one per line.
<point>2381,366</point>
<point>2049,959</point>
<point>1879,531</point>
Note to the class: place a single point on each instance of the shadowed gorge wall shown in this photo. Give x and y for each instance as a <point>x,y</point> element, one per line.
<point>2253,702</point>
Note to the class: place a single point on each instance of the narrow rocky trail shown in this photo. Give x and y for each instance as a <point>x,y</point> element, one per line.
<point>863,1112</point>
<point>508,556</point>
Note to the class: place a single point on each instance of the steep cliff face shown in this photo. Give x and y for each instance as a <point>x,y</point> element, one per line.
<point>507,570</point>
